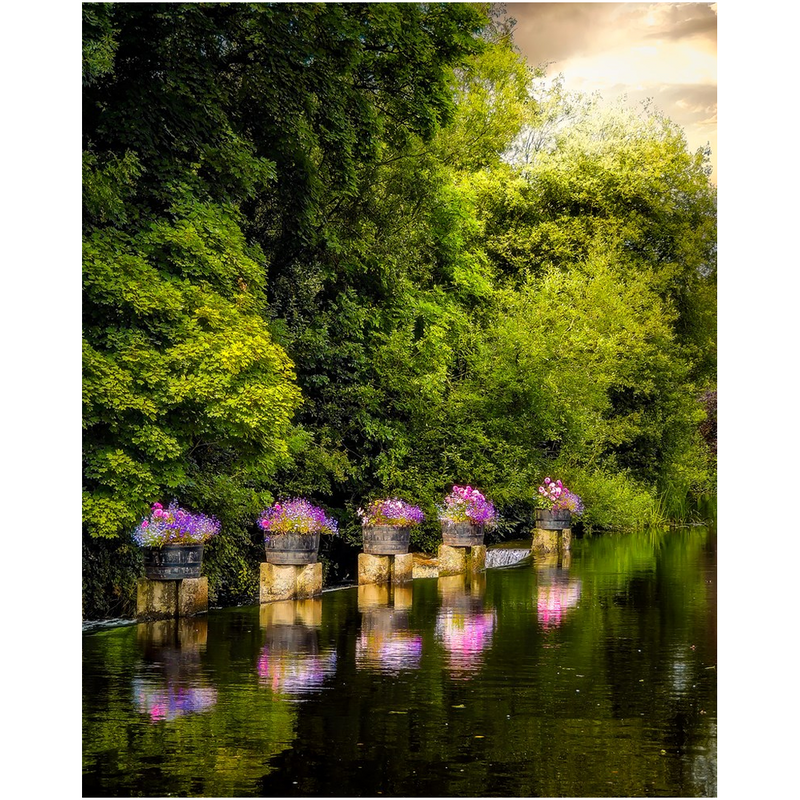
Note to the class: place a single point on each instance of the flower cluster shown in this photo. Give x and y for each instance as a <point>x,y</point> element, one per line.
<point>296,516</point>
<point>571,502</point>
<point>465,504</point>
<point>391,512</point>
<point>554,496</point>
<point>174,525</point>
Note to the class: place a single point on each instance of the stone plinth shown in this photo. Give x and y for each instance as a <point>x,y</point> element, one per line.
<point>384,569</point>
<point>289,582</point>
<point>425,566</point>
<point>168,599</point>
<point>402,568</point>
<point>545,541</point>
<point>477,558</point>
<point>455,560</point>
<point>192,596</point>
<point>373,569</point>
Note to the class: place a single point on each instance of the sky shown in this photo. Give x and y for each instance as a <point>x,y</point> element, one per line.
<point>663,51</point>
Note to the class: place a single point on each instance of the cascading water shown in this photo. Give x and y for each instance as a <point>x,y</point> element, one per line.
<point>505,556</point>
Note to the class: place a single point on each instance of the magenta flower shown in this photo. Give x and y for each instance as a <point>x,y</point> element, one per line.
<point>391,512</point>
<point>175,525</point>
<point>296,516</point>
<point>465,504</point>
<point>554,496</point>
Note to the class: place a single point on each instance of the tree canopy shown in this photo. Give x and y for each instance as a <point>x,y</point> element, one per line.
<point>357,250</point>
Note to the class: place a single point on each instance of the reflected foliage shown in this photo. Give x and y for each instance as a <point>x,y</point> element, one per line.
<point>444,687</point>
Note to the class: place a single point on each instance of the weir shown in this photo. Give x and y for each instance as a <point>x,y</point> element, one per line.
<point>505,556</point>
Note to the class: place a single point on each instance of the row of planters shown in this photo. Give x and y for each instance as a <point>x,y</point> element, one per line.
<point>172,538</point>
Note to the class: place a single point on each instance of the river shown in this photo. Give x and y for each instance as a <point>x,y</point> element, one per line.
<point>593,675</point>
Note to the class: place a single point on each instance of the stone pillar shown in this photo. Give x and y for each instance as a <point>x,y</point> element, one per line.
<point>476,558</point>
<point>169,599</point>
<point>452,560</point>
<point>545,541</point>
<point>289,581</point>
<point>455,560</point>
<point>192,596</point>
<point>384,569</point>
<point>402,567</point>
<point>373,569</point>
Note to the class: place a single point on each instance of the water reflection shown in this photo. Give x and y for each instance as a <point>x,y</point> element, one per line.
<point>291,662</point>
<point>619,700</point>
<point>557,593</point>
<point>173,684</point>
<point>386,642</point>
<point>463,625</point>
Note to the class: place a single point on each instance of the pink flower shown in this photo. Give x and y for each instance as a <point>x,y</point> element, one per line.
<point>157,506</point>
<point>547,480</point>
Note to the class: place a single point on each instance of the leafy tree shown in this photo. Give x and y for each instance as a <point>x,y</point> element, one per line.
<point>220,143</point>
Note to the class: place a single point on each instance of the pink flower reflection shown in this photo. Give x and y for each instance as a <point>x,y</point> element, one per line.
<point>294,673</point>
<point>388,651</point>
<point>465,636</point>
<point>555,600</point>
<point>170,701</point>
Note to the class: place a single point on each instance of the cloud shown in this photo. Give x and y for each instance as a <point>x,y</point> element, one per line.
<point>663,51</point>
<point>558,31</point>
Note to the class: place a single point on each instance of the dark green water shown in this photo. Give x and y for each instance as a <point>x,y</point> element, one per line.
<point>590,677</point>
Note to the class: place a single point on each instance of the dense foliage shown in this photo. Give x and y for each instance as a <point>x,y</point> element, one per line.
<point>351,251</point>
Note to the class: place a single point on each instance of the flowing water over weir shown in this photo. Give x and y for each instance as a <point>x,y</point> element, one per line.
<point>506,556</point>
<point>587,675</point>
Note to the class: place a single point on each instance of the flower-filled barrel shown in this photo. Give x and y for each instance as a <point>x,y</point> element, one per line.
<point>292,531</point>
<point>465,515</point>
<point>555,506</point>
<point>386,526</point>
<point>172,542</point>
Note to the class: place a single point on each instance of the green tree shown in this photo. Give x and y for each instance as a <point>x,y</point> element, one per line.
<point>225,146</point>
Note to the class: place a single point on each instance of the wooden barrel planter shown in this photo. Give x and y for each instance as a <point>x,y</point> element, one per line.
<point>292,548</point>
<point>462,534</point>
<point>553,520</point>
<point>386,540</point>
<point>172,562</point>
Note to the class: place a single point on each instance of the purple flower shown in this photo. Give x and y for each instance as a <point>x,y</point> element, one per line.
<point>175,525</point>
<point>465,504</point>
<point>554,496</point>
<point>391,512</point>
<point>296,516</point>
